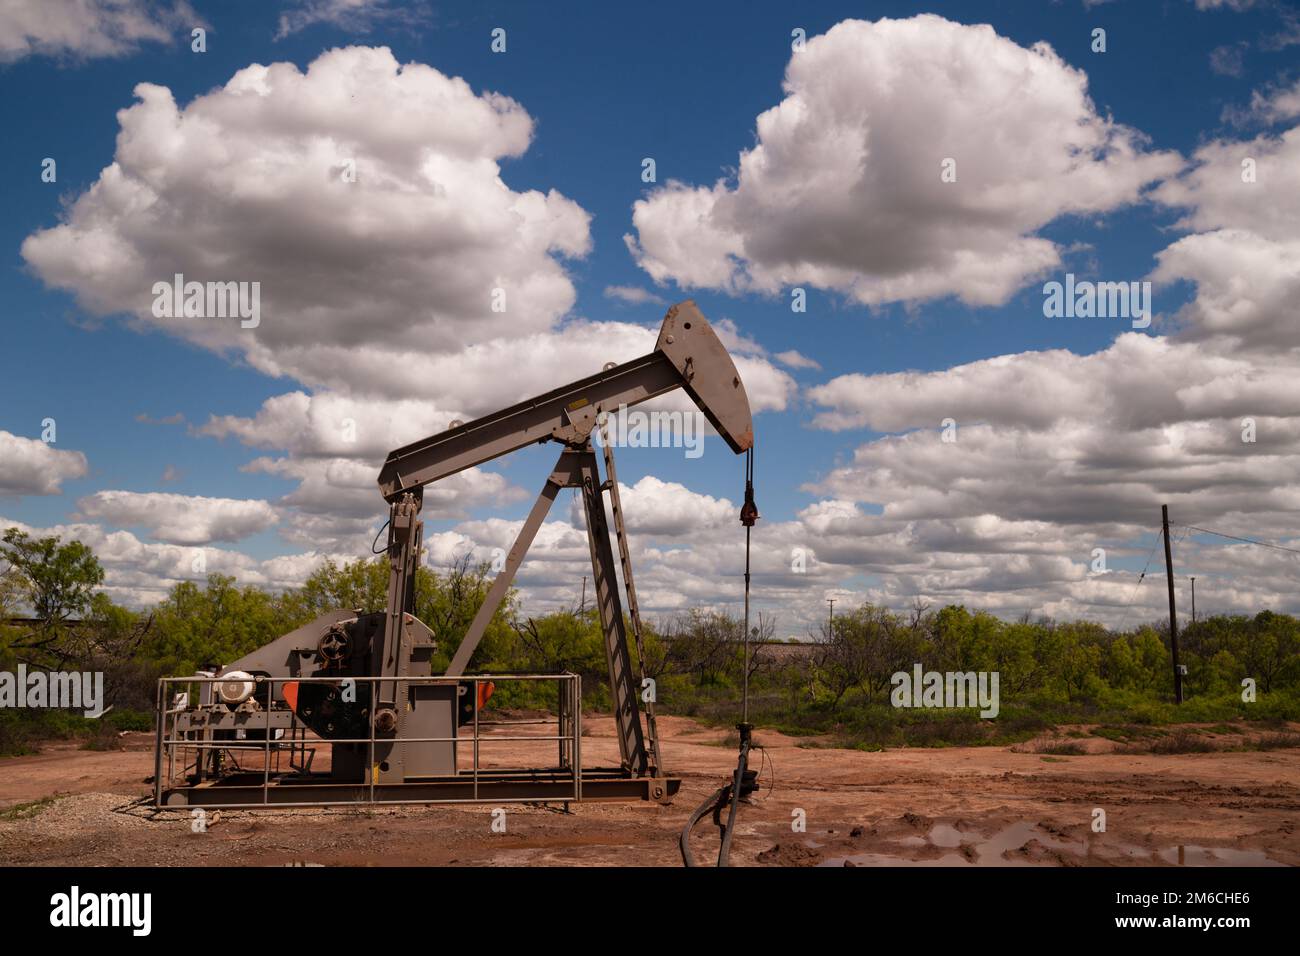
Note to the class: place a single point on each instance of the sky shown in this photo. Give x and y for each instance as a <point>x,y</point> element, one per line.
<point>449,208</point>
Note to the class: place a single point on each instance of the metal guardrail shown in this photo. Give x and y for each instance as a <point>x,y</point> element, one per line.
<point>171,742</point>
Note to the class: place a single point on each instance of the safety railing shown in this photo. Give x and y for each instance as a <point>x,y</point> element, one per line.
<point>185,736</point>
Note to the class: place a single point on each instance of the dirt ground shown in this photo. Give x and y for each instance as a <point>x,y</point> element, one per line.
<point>957,806</point>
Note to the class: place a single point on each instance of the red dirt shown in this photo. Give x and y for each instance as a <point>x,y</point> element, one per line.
<point>955,806</point>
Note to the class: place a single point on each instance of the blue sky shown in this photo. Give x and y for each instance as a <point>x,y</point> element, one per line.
<point>606,86</point>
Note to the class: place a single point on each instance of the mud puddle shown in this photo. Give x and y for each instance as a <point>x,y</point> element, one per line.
<point>1028,844</point>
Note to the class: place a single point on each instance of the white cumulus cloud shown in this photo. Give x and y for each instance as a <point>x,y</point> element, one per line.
<point>84,29</point>
<point>180,519</point>
<point>843,188</point>
<point>357,278</point>
<point>32,467</point>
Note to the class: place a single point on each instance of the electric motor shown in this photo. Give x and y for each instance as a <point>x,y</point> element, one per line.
<point>236,688</point>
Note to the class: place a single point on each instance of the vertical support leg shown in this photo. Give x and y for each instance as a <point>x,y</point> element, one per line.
<point>163,706</point>
<point>627,715</point>
<point>633,608</point>
<point>405,533</point>
<point>389,708</point>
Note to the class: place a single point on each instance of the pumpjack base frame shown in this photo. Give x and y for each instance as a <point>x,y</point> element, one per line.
<point>253,790</point>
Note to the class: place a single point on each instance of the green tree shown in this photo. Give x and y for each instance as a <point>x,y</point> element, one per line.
<point>562,641</point>
<point>1012,656</point>
<point>700,642</point>
<point>55,581</point>
<point>1270,649</point>
<point>360,585</point>
<point>214,624</point>
<point>866,646</point>
<point>1154,660</point>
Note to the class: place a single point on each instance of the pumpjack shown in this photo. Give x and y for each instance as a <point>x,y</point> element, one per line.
<point>360,683</point>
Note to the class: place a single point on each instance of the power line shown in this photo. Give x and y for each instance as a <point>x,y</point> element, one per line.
<point>1141,578</point>
<point>1233,537</point>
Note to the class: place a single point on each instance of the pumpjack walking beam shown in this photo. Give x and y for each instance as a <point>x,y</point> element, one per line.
<point>687,355</point>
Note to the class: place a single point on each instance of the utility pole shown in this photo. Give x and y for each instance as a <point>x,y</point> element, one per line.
<point>1173,620</point>
<point>582,608</point>
<point>830,625</point>
<point>1193,599</point>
